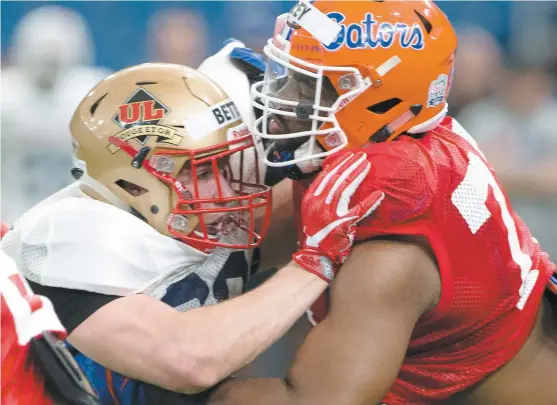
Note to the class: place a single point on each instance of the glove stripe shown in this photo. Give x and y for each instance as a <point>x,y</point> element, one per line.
<point>343,177</point>
<point>342,208</point>
<point>315,239</point>
<point>327,178</point>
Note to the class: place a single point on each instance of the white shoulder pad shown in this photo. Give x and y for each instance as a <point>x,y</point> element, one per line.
<point>84,244</point>
<point>232,80</point>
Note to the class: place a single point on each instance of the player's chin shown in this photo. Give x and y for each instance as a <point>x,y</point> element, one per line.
<point>213,224</point>
<point>290,145</point>
<point>212,231</point>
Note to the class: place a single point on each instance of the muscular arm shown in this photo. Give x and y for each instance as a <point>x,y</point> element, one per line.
<point>145,339</point>
<point>354,355</point>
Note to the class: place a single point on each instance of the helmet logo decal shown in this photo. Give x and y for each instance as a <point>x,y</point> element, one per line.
<point>139,116</point>
<point>437,91</point>
<point>333,140</point>
<point>370,33</point>
<point>237,132</point>
<point>139,109</point>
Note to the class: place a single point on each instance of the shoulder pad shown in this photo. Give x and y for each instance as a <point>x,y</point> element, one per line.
<point>402,170</point>
<point>250,62</point>
<point>84,244</point>
<point>230,74</point>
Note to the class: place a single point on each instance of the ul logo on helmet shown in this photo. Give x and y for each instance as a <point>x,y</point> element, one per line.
<point>140,109</point>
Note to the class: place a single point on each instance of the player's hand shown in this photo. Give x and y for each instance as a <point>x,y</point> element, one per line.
<point>329,221</point>
<point>4,228</point>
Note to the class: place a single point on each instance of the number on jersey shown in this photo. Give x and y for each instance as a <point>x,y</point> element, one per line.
<point>470,199</point>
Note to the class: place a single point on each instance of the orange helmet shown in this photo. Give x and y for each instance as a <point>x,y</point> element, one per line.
<point>344,73</point>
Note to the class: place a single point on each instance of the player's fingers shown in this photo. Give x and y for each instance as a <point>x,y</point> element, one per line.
<point>4,228</point>
<point>368,205</point>
<point>354,166</point>
<point>324,178</point>
<point>335,158</point>
<point>351,185</point>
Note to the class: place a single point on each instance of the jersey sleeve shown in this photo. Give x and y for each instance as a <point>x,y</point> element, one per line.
<point>84,244</point>
<point>405,174</point>
<point>72,306</point>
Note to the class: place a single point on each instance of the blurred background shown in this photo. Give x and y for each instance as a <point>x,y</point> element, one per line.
<point>504,90</point>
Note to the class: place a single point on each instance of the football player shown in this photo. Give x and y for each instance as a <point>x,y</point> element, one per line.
<point>168,205</point>
<point>443,298</point>
<point>36,367</point>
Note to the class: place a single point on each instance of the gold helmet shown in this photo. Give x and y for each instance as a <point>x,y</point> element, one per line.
<point>166,143</point>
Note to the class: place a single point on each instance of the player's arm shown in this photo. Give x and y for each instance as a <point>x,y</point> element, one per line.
<point>145,339</point>
<point>354,355</point>
<point>281,238</point>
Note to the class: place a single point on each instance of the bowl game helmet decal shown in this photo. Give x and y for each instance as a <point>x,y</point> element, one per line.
<point>344,73</point>
<point>166,143</point>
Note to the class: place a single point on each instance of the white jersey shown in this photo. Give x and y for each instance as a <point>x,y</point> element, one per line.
<point>73,241</point>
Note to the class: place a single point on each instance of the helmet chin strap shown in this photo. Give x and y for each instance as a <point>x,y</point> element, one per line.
<point>430,123</point>
<point>304,169</point>
<point>104,192</point>
<point>79,172</point>
<point>312,165</point>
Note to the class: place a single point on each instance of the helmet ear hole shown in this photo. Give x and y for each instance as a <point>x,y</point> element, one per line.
<point>384,106</point>
<point>131,188</point>
<point>427,25</point>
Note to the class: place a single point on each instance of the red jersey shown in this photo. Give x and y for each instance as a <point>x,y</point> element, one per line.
<point>493,273</point>
<point>24,316</point>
